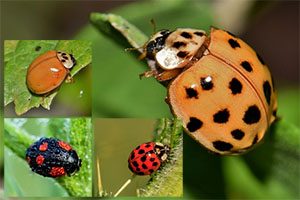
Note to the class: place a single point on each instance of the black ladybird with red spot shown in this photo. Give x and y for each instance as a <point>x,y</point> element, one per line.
<point>52,157</point>
<point>147,158</point>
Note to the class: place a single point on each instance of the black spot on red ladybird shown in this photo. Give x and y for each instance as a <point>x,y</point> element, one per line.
<point>252,115</point>
<point>221,116</point>
<point>48,158</point>
<point>194,124</point>
<point>141,151</point>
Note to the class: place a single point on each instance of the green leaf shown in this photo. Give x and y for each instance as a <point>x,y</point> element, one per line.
<point>114,25</point>
<point>76,131</point>
<point>168,182</point>
<point>275,163</point>
<point>19,55</point>
<point>128,96</point>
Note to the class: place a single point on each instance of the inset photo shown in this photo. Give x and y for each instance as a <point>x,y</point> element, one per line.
<point>137,157</point>
<point>48,157</point>
<point>47,78</point>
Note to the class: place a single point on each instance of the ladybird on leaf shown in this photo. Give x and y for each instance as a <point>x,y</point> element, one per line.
<point>217,84</point>
<point>51,157</point>
<point>48,71</point>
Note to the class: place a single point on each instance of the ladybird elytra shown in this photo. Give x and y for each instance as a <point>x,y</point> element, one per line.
<point>147,158</point>
<point>48,71</point>
<point>51,157</point>
<point>224,93</point>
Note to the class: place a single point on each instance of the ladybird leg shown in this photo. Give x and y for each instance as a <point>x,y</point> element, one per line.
<point>69,79</point>
<point>168,75</point>
<point>147,74</point>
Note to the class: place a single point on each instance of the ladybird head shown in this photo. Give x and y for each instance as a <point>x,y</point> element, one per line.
<point>156,43</point>
<point>162,151</point>
<point>66,59</point>
<point>74,163</point>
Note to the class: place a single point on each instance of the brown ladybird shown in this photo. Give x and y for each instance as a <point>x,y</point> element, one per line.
<point>48,71</point>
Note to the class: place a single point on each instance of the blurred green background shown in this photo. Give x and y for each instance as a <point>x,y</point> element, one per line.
<point>270,27</point>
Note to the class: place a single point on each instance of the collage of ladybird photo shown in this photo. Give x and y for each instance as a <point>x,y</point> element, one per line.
<point>153,98</point>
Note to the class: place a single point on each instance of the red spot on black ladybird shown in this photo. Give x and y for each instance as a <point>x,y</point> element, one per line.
<point>43,147</point>
<point>64,145</point>
<point>222,146</point>
<point>39,160</point>
<point>194,124</point>
<point>221,116</point>
<point>57,171</point>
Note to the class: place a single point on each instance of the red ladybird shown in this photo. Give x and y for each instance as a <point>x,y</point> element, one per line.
<point>147,158</point>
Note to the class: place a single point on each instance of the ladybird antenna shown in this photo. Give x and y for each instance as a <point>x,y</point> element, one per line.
<point>124,185</point>
<point>152,21</point>
<point>134,49</point>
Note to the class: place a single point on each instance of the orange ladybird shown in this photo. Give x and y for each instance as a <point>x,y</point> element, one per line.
<point>218,86</point>
<point>48,71</point>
